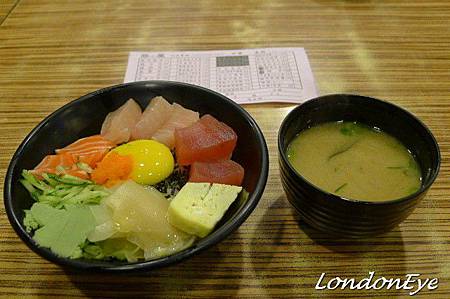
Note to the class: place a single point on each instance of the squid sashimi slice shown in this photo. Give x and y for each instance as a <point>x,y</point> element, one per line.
<point>139,215</point>
<point>225,172</point>
<point>89,150</point>
<point>153,117</point>
<point>206,140</point>
<point>119,124</point>
<point>154,248</point>
<point>180,118</point>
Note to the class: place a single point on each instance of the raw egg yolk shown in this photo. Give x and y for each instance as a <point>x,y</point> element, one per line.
<point>152,161</point>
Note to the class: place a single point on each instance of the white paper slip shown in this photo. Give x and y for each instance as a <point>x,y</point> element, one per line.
<point>246,76</point>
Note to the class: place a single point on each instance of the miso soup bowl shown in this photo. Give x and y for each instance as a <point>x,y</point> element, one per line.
<point>84,117</point>
<point>341,216</point>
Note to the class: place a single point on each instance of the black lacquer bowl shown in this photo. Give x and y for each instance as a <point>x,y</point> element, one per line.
<point>84,117</point>
<point>345,217</point>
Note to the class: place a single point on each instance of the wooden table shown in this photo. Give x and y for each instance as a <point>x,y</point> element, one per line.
<point>53,51</point>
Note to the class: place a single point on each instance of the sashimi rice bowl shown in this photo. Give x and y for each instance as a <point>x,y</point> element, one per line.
<point>136,176</point>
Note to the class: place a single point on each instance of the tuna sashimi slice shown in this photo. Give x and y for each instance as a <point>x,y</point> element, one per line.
<point>89,150</point>
<point>222,172</point>
<point>118,125</point>
<point>180,118</point>
<point>154,116</point>
<point>206,140</point>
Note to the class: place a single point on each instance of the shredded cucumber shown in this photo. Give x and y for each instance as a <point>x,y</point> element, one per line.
<point>84,166</point>
<point>60,190</point>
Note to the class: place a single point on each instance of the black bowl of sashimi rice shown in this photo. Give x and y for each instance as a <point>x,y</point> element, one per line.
<point>136,176</point>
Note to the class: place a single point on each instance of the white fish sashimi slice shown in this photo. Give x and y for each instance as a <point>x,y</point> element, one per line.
<point>119,124</point>
<point>180,118</point>
<point>153,117</point>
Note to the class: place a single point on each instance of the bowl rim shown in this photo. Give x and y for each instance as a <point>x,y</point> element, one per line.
<point>293,113</point>
<point>215,237</point>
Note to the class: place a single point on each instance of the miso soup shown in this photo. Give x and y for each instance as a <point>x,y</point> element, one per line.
<point>354,161</point>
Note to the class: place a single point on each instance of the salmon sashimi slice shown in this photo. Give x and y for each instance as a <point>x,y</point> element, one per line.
<point>119,124</point>
<point>206,140</point>
<point>180,118</point>
<point>51,162</point>
<point>222,172</point>
<point>89,150</point>
<point>59,164</point>
<point>75,171</point>
<point>154,116</point>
